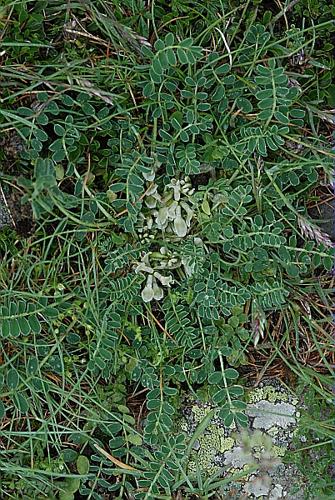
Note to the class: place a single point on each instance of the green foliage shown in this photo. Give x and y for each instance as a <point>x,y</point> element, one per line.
<point>167,53</point>
<point>314,443</point>
<point>19,318</point>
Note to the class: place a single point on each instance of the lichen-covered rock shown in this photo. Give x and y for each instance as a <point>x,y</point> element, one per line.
<point>256,452</point>
<point>267,415</point>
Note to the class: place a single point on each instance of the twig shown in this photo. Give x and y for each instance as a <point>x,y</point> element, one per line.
<point>161,326</point>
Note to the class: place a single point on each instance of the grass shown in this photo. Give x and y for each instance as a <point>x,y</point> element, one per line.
<point>160,163</point>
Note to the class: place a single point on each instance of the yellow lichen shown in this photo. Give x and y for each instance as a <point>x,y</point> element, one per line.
<point>226,444</point>
<point>278,451</point>
<point>200,412</point>
<point>269,393</point>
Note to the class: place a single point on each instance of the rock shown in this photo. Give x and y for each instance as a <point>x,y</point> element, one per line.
<point>258,486</point>
<point>267,414</point>
<point>254,453</point>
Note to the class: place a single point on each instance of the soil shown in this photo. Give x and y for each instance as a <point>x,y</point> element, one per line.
<point>14,214</point>
<point>324,216</point>
<point>4,213</point>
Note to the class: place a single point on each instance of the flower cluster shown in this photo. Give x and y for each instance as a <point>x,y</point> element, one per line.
<point>171,212</point>
<point>151,265</point>
<point>157,267</point>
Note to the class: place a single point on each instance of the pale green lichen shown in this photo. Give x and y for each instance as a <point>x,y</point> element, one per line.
<point>269,393</point>
<point>279,451</point>
<point>200,412</point>
<point>226,444</point>
<point>208,446</point>
<point>267,414</point>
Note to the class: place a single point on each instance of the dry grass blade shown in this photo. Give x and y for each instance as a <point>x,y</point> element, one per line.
<point>89,88</point>
<point>115,461</point>
<point>313,232</point>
